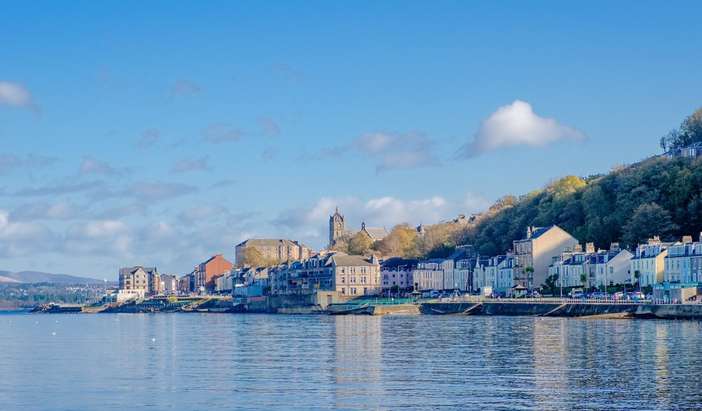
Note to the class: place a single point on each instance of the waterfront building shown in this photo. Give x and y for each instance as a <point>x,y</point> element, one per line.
<point>429,274</point>
<point>451,273</point>
<point>535,253</point>
<point>137,282</point>
<point>275,250</point>
<point>495,275</point>
<point>396,274</point>
<point>169,284</point>
<point>347,275</point>
<point>355,275</point>
<point>224,284</point>
<point>682,263</point>
<point>648,263</point>
<point>186,284</point>
<point>478,280</point>
<point>206,272</point>
<point>610,267</point>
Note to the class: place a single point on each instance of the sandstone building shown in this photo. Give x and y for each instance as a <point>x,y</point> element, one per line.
<point>274,250</point>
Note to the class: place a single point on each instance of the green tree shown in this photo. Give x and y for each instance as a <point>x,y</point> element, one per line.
<point>689,132</point>
<point>648,220</point>
<point>551,284</point>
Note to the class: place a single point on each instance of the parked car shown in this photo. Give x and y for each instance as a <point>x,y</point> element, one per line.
<point>577,293</point>
<point>636,296</point>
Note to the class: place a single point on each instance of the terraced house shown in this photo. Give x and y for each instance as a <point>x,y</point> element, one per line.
<point>347,275</point>
<point>535,253</point>
<point>648,262</point>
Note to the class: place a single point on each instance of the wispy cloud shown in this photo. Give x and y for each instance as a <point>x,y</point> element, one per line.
<point>397,151</point>
<point>185,88</point>
<point>513,125</point>
<point>58,189</point>
<point>16,95</point>
<point>269,153</point>
<point>92,166</point>
<point>191,165</point>
<point>269,127</point>
<point>149,138</point>
<point>221,133</point>
<point>11,162</point>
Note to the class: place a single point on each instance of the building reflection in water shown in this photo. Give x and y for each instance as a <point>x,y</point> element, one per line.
<point>662,361</point>
<point>550,353</point>
<point>358,358</point>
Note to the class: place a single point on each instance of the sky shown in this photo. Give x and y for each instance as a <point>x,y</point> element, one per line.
<point>161,133</point>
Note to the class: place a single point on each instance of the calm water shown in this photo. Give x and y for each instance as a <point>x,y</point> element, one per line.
<point>224,361</point>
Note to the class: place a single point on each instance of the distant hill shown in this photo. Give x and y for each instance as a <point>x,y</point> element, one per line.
<point>31,277</point>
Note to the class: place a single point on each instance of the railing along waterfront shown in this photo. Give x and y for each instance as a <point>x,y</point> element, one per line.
<point>542,300</point>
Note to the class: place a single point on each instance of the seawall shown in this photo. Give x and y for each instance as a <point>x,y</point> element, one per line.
<point>558,309</point>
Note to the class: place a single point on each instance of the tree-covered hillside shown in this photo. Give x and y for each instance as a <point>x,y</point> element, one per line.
<point>658,196</point>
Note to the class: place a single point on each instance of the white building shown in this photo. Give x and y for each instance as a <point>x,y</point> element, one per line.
<point>610,266</point>
<point>648,262</point>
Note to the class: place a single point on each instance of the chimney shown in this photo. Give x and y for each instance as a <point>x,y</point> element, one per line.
<point>590,248</point>
<point>687,239</point>
<point>578,248</point>
<point>530,230</point>
<point>614,247</point>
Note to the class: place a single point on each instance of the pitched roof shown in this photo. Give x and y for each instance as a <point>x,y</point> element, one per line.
<point>349,260</point>
<point>375,233</point>
<point>269,242</point>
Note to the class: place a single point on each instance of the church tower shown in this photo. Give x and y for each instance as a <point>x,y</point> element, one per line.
<point>336,227</point>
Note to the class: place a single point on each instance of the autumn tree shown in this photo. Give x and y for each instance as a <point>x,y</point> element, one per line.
<point>401,242</point>
<point>360,244</point>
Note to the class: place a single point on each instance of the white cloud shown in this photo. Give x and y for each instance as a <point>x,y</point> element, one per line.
<point>22,238</point>
<point>60,210</point>
<point>516,124</point>
<point>396,151</point>
<point>15,95</point>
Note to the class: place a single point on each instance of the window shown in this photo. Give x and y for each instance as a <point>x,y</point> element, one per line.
<point>352,280</point>
<point>343,280</point>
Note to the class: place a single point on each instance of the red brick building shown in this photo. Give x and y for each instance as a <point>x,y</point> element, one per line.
<point>206,272</point>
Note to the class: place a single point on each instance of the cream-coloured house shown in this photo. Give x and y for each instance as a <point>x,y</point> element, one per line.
<point>536,252</point>
<point>648,262</point>
<point>610,266</point>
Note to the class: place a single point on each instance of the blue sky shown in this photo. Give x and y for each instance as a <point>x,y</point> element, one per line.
<point>162,133</point>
